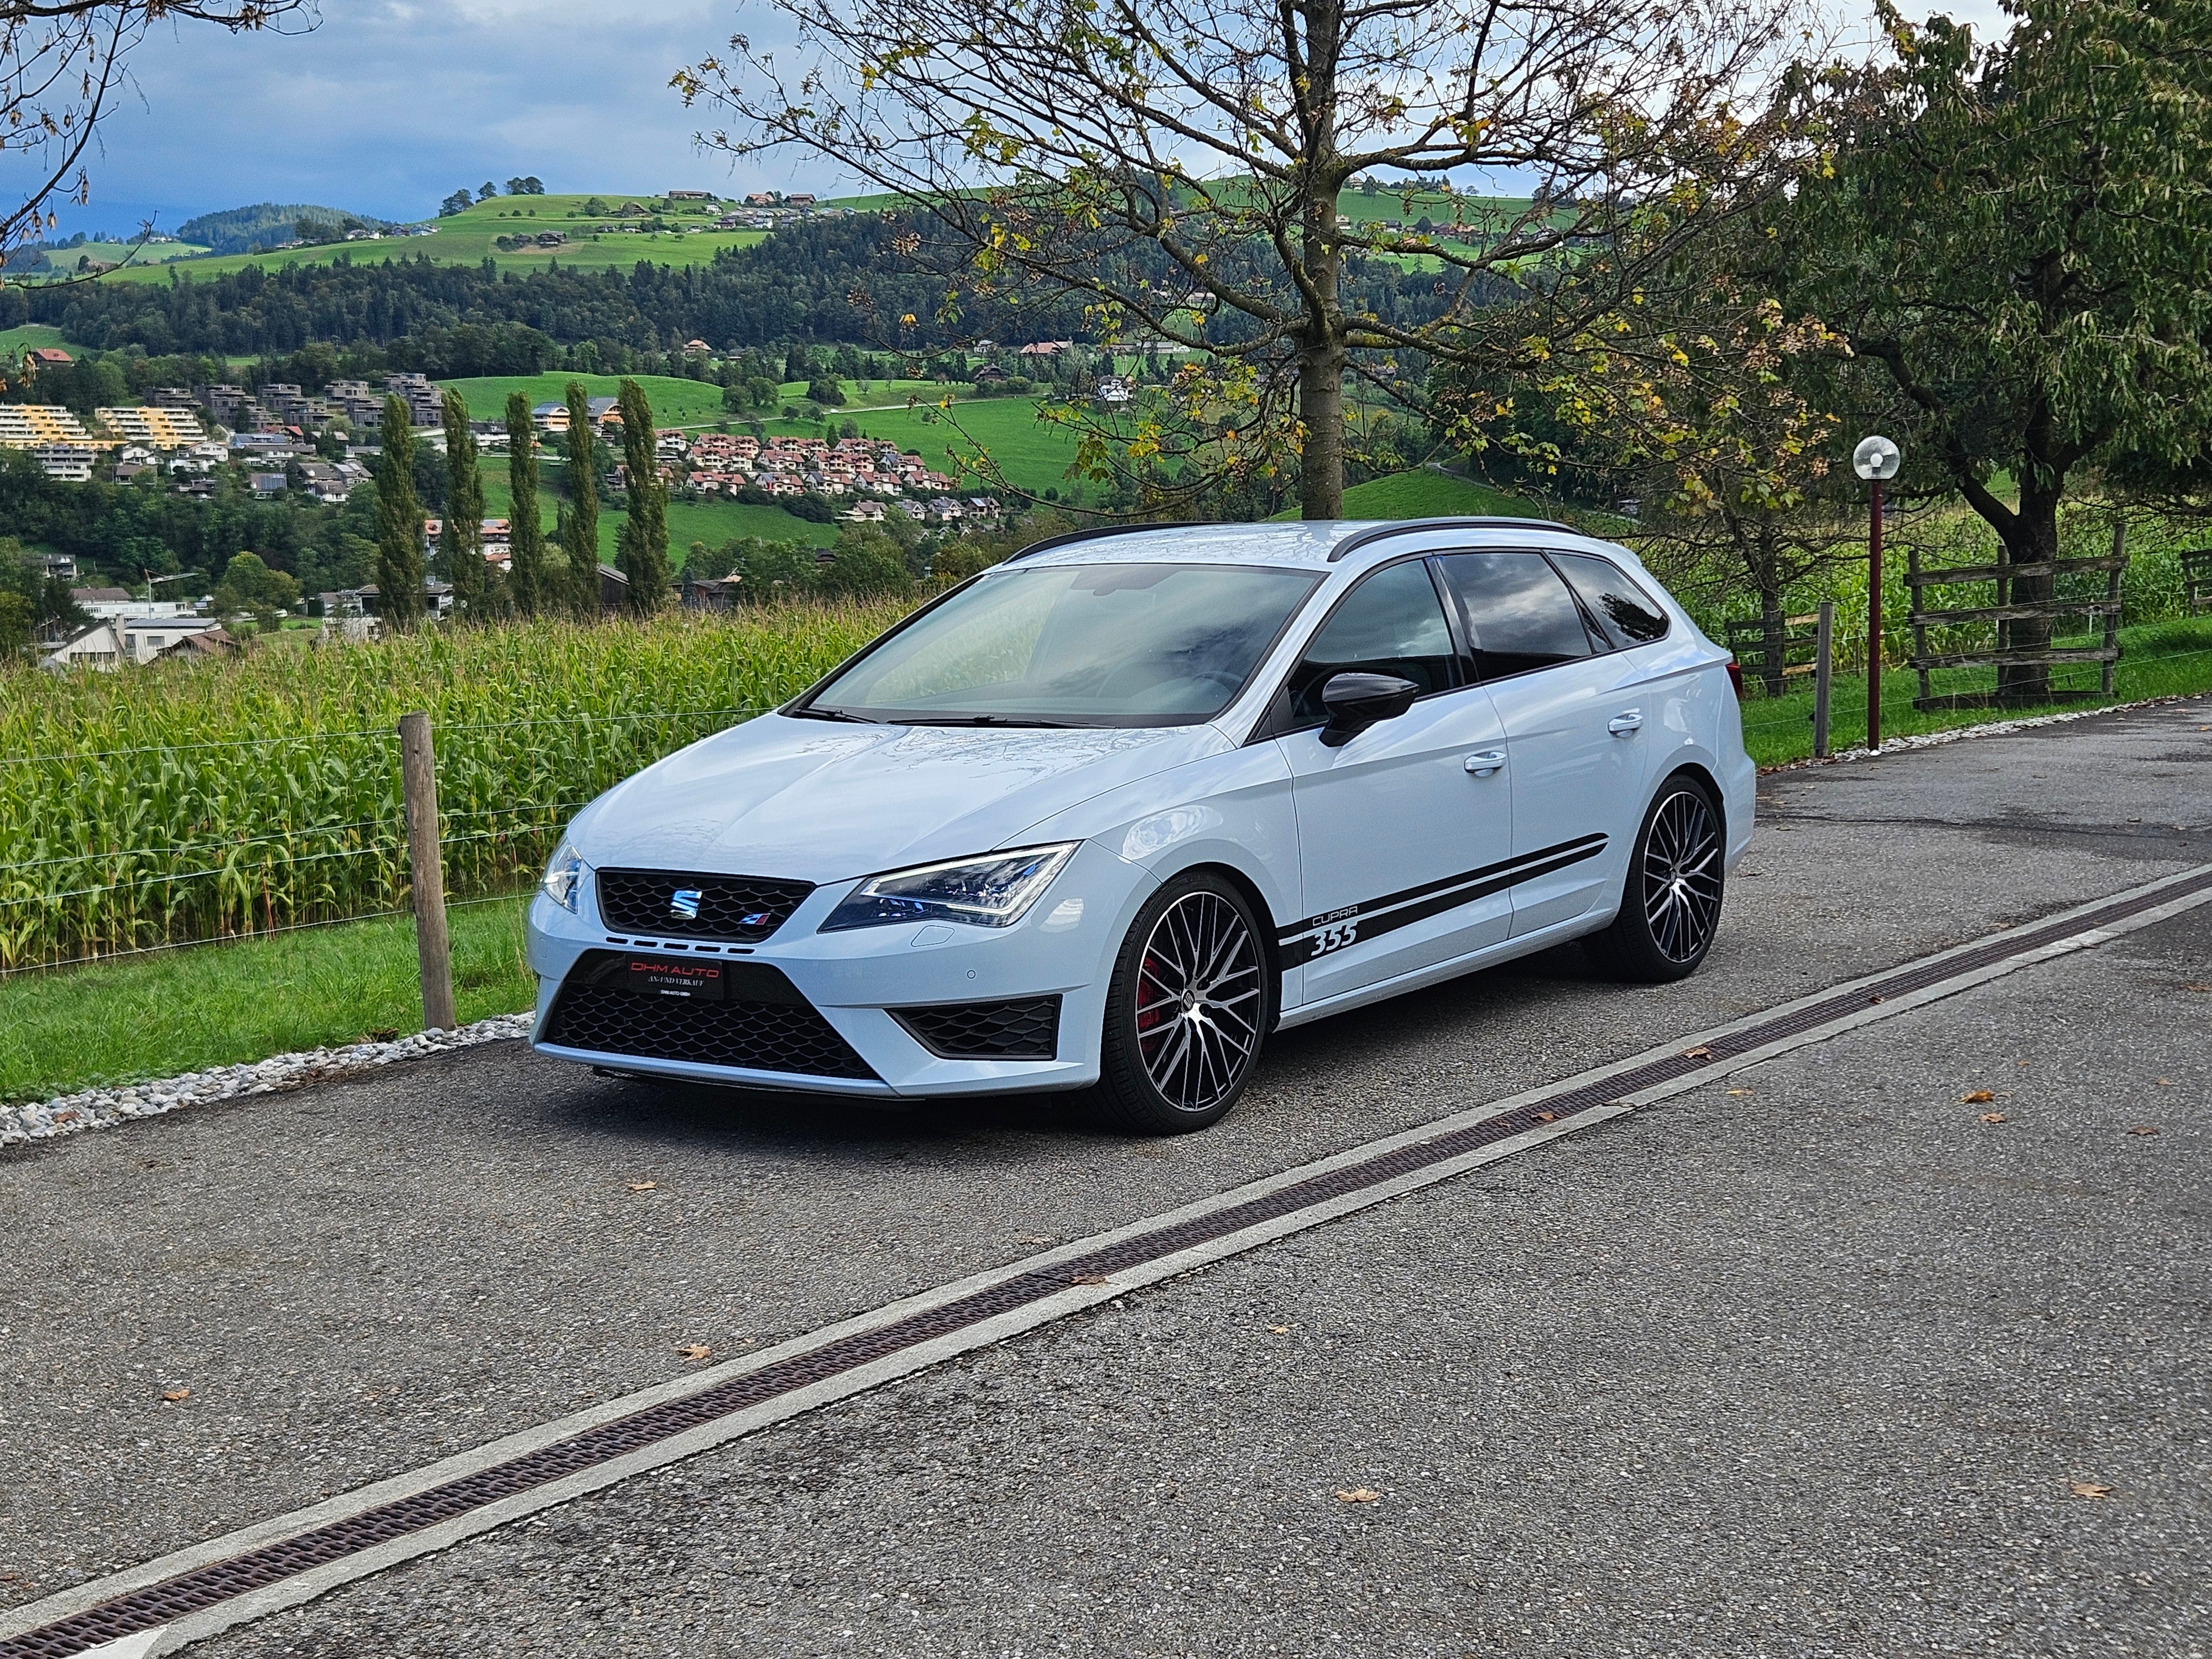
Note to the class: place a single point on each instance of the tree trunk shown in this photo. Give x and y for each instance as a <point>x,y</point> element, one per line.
<point>1321,354</point>
<point>2031,538</point>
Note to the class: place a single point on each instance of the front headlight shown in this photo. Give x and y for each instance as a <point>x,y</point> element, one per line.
<point>988,892</point>
<point>564,877</point>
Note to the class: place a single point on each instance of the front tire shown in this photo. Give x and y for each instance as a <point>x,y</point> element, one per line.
<point>1190,1004</point>
<point>1670,901</point>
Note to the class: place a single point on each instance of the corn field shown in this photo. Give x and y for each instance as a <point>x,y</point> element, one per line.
<point>209,800</point>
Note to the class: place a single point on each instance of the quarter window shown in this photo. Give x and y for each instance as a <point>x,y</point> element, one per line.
<point>1391,623</point>
<point>1519,613</point>
<point>1623,610</point>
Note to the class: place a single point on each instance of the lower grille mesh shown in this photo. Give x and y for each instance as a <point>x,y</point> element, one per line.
<point>1026,1030</point>
<point>780,1036</point>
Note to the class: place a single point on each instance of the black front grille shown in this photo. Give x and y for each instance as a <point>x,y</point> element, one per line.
<point>744,907</point>
<point>766,1025</point>
<point>1026,1030</point>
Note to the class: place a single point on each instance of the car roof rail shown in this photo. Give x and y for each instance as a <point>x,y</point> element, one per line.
<point>1094,532</point>
<point>1411,526</point>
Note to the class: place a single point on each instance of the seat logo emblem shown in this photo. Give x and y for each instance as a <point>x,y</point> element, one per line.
<point>684,902</point>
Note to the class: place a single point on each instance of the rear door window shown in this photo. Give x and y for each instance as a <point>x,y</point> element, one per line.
<point>1391,623</point>
<point>1518,612</point>
<point>1624,612</point>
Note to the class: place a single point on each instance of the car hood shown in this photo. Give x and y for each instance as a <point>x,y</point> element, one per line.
<point>816,801</point>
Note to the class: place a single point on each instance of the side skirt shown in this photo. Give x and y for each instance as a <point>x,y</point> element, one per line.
<point>1528,944</point>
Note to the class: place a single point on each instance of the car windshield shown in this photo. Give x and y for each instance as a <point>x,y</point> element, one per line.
<point>1075,645</point>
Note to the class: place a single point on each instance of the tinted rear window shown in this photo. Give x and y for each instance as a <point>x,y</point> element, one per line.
<point>1628,615</point>
<point>1519,612</point>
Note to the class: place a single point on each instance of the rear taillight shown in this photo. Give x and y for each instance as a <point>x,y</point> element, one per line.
<point>1735,677</point>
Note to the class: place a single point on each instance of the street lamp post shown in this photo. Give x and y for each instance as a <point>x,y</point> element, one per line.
<point>1874,460</point>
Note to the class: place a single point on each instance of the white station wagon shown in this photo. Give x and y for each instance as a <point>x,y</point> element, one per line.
<point>1111,813</point>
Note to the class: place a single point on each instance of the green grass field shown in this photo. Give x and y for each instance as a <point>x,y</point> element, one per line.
<point>711,522</point>
<point>468,238</point>
<point>1033,454</point>
<point>15,342</point>
<point>219,1004</point>
<point>676,402</point>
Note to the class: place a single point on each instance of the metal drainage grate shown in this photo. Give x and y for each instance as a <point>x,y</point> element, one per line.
<point>204,1586</point>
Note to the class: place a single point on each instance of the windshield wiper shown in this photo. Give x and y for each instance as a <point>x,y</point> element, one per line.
<point>815,714</point>
<point>990,719</point>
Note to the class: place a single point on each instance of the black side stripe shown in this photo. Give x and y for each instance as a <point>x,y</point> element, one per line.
<point>1306,939</point>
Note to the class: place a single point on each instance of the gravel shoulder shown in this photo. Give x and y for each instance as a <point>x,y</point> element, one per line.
<point>359,1278</point>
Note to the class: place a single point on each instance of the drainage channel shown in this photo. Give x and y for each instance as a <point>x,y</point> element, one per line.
<point>256,1577</point>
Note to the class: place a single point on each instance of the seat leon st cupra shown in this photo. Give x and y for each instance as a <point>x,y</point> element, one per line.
<point>1110,813</point>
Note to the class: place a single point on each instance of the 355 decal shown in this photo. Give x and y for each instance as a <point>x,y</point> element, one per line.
<point>1335,937</point>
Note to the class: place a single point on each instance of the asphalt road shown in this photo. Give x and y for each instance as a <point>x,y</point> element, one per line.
<point>1809,1370</point>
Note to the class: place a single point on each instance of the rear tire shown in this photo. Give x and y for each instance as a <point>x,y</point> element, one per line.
<point>1670,900</point>
<point>1191,1002</point>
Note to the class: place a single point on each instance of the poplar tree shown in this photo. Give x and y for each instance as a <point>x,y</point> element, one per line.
<point>643,549</point>
<point>579,524</point>
<point>460,537</point>
<point>525,536</point>
<point>399,524</point>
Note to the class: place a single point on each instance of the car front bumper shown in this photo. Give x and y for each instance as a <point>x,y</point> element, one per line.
<point>1064,947</point>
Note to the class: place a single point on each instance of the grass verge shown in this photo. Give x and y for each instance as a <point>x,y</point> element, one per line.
<point>2158,659</point>
<point>218,1005</point>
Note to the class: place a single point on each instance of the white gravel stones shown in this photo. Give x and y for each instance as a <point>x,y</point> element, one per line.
<point>103,1108</point>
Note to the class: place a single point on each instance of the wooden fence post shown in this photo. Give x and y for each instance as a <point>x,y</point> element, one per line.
<point>1823,672</point>
<point>418,772</point>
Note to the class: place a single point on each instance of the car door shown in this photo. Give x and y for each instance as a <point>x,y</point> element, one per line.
<point>1402,830</point>
<point>1574,760</point>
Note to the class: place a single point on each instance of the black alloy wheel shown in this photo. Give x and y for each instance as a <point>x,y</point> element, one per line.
<point>1670,901</point>
<point>1189,1007</point>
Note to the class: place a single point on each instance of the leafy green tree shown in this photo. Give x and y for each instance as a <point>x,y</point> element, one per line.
<point>250,587</point>
<point>15,628</point>
<point>1178,169</point>
<point>399,524</point>
<point>526,538</point>
<point>2019,236</point>
<point>642,547</point>
<point>460,534</point>
<point>525,186</point>
<point>866,562</point>
<point>580,518</point>
<point>458,202</point>
<point>487,190</point>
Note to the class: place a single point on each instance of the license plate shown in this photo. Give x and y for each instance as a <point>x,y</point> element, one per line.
<point>657,976</point>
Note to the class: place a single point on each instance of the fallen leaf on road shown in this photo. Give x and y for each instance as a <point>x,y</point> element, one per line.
<point>694,1350</point>
<point>176,1394</point>
<point>2144,1129</point>
<point>1994,1117</point>
<point>643,1186</point>
<point>1739,1091</point>
<point>1357,1495</point>
<point>1547,1117</point>
<point>1874,999</point>
<point>2165,1083</point>
<point>1697,1054</point>
<point>1280,1330</point>
<point>2192,986</point>
<point>1977,1097</point>
<point>2089,1489</point>
<point>1088,1279</point>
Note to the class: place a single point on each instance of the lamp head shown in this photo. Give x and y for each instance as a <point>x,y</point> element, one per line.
<point>1876,459</point>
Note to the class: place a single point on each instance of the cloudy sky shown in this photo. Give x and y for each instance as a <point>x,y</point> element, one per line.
<point>390,105</point>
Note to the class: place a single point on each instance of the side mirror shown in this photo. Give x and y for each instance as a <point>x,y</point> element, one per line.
<point>1356,702</point>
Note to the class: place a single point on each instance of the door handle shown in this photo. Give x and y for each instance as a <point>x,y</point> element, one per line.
<point>1489,761</point>
<point>1626,722</point>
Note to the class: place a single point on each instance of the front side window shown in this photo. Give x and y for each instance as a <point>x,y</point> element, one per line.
<point>1111,644</point>
<point>1391,623</point>
<point>1519,613</point>
<point>1627,614</point>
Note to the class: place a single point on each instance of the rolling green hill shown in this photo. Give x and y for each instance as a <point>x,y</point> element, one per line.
<point>468,238</point>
